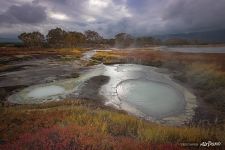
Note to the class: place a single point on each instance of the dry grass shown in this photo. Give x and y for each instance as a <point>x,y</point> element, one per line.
<point>148,56</point>
<point>18,121</point>
<point>25,52</point>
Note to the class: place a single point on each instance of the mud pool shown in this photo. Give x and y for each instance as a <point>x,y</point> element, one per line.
<point>140,90</point>
<point>155,98</point>
<point>46,91</point>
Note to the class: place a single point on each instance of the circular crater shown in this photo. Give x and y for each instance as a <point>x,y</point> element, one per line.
<point>155,99</point>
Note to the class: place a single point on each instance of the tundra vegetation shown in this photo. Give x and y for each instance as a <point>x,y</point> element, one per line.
<point>82,124</point>
<point>85,125</point>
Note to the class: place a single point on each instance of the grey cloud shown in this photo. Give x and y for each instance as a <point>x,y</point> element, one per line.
<point>23,14</point>
<point>172,16</point>
<point>146,16</point>
<point>194,15</point>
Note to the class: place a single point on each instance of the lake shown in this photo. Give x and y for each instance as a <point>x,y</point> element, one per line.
<point>193,49</point>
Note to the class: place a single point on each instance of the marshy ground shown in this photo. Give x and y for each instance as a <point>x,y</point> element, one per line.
<point>84,122</point>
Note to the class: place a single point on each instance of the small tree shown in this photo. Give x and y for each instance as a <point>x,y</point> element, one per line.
<point>123,40</point>
<point>34,39</point>
<point>56,37</point>
<point>93,37</point>
<point>74,39</point>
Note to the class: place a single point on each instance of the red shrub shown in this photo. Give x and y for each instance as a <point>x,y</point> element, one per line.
<point>76,137</point>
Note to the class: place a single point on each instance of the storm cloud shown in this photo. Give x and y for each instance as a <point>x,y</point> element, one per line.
<point>23,14</point>
<point>137,17</point>
<point>195,14</point>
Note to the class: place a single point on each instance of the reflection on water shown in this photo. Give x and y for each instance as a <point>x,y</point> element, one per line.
<point>145,92</point>
<point>152,98</point>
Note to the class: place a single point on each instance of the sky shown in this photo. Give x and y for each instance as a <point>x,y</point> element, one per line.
<point>109,17</point>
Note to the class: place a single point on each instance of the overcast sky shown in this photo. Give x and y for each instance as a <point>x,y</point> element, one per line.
<point>108,17</point>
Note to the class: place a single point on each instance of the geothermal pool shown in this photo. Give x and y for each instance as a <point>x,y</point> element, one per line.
<point>42,92</point>
<point>154,98</point>
<point>140,90</point>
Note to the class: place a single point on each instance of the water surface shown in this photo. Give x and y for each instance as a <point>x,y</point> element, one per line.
<point>139,90</point>
<point>42,92</point>
<point>195,49</point>
<point>153,98</point>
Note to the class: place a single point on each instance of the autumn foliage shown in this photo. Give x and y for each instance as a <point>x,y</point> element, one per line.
<point>77,137</point>
<point>78,124</point>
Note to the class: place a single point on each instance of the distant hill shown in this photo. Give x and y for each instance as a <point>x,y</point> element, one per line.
<point>9,40</point>
<point>215,36</point>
